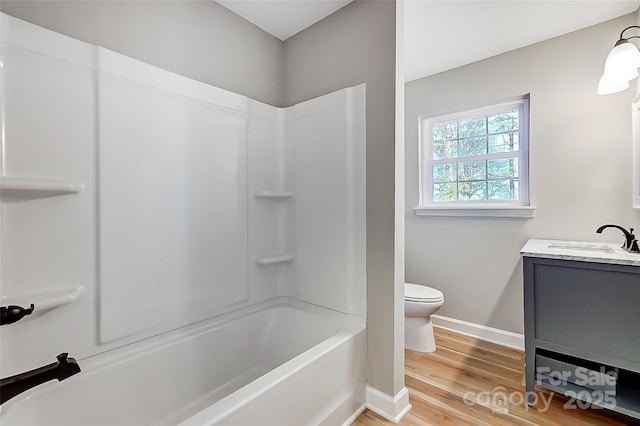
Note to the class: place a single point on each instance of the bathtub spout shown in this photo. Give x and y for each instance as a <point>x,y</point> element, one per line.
<point>15,385</point>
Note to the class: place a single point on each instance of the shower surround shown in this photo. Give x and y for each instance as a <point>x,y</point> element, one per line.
<point>145,213</point>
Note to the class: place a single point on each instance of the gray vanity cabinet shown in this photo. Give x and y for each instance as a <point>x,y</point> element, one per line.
<point>582,319</point>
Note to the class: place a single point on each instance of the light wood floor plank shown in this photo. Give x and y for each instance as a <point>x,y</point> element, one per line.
<point>446,388</point>
<point>437,415</point>
<point>485,353</point>
<point>456,402</point>
<point>444,333</point>
<point>479,365</point>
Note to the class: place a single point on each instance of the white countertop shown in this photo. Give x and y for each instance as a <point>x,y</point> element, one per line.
<point>584,251</point>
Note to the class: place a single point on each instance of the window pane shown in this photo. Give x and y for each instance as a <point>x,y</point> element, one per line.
<point>502,168</point>
<point>474,146</point>
<point>474,156</point>
<point>445,172</point>
<point>505,142</point>
<point>472,190</point>
<point>472,127</point>
<point>503,122</point>
<point>472,170</point>
<point>445,131</point>
<point>444,191</point>
<point>505,189</point>
<point>447,149</point>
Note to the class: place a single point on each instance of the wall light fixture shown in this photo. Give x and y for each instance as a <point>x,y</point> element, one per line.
<point>621,65</point>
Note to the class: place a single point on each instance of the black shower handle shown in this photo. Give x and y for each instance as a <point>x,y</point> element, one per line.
<point>12,313</point>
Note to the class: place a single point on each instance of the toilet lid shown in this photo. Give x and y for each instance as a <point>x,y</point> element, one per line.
<point>418,293</point>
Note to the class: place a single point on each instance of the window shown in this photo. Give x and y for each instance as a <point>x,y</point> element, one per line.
<point>476,159</point>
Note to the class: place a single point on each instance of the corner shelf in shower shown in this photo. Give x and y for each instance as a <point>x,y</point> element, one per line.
<point>47,299</point>
<point>276,196</point>
<point>274,258</point>
<point>16,189</point>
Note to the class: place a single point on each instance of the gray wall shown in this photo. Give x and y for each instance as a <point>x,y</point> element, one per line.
<point>354,45</point>
<point>198,39</point>
<point>580,170</point>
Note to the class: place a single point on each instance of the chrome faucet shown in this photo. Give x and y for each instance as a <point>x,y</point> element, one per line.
<point>15,385</point>
<point>630,242</point>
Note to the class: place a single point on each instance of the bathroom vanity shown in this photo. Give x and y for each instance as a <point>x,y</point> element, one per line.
<point>582,323</point>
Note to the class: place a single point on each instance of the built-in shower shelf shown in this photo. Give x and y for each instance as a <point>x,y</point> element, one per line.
<point>274,258</point>
<point>276,196</point>
<point>15,189</point>
<point>47,299</point>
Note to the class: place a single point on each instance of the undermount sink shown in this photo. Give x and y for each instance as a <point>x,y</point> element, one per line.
<point>582,247</point>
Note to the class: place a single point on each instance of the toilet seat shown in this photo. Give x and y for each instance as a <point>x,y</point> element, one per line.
<point>420,293</point>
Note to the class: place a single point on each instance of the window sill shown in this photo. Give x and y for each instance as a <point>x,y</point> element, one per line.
<point>517,212</point>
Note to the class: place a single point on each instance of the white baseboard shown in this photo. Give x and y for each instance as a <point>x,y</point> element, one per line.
<point>392,408</point>
<point>482,332</point>
<point>355,415</point>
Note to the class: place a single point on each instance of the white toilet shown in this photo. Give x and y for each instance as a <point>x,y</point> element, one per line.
<point>420,302</point>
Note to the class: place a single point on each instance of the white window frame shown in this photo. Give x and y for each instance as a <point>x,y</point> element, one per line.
<point>520,208</point>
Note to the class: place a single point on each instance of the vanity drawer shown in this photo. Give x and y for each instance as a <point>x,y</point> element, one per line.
<point>592,310</point>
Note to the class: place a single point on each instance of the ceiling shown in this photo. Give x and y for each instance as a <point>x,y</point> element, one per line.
<point>441,35</point>
<point>445,34</point>
<point>283,18</point>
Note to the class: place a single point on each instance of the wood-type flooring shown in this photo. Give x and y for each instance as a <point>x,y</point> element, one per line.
<point>467,381</point>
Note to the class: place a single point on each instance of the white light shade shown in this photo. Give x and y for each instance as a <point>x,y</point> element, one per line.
<point>611,84</point>
<point>620,67</point>
<point>623,59</point>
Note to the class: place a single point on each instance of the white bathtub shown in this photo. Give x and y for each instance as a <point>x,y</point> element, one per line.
<point>282,362</point>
